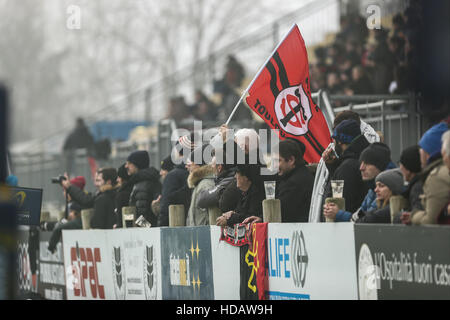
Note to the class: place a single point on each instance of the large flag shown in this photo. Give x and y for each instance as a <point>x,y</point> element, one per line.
<point>281,96</point>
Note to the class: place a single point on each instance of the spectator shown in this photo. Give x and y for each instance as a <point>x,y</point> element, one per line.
<point>166,166</point>
<point>174,188</point>
<point>250,205</point>
<point>79,138</point>
<point>146,185</point>
<point>435,175</point>
<point>201,178</point>
<point>178,110</point>
<point>374,160</point>
<point>410,167</point>
<point>123,193</point>
<point>73,223</point>
<point>102,202</point>
<point>349,144</point>
<point>204,109</point>
<point>360,83</point>
<point>334,83</point>
<point>295,183</point>
<point>225,177</point>
<point>388,183</point>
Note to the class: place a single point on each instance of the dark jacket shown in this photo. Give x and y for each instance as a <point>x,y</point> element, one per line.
<point>175,182</point>
<point>102,202</point>
<point>376,216</point>
<point>79,138</point>
<point>294,191</point>
<point>75,224</point>
<point>211,197</point>
<point>230,197</point>
<point>122,200</point>
<point>146,188</point>
<point>354,188</point>
<point>249,205</point>
<point>413,192</point>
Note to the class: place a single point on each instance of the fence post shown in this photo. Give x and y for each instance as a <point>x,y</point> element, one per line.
<point>86,216</point>
<point>128,217</point>
<point>272,210</point>
<point>176,216</point>
<point>213,213</point>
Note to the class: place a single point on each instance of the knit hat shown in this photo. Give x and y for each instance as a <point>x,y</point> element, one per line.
<point>123,173</point>
<point>347,131</point>
<point>140,159</point>
<point>431,140</point>
<point>410,159</point>
<point>167,164</point>
<point>79,182</point>
<point>393,179</point>
<point>73,206</point>
<point>377,154</point>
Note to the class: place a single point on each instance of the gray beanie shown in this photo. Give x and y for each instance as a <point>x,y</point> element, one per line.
<point>393,179</point>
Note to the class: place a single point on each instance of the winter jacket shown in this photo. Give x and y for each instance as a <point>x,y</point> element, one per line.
<point>369,203</point>
<point>348,170</point>
<point>102,203</point>
<point>79,138</point>
<point>413,192</point>
<point>122,200</point>
<point>249,205</point>
<point>382,215</point>
<point>201,179</point>
<point>436,194</point>
<point>230,197</point>
<point>210,198</point>
<point>146,188</point>
<point>294,191</point>
<point>176,180</point>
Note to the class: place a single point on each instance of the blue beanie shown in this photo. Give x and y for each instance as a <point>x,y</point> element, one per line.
<point>347,131</point>
<point>12,181</point>
<point>431,140</point>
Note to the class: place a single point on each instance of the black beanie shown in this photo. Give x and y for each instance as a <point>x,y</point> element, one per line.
<point>377,154</point>
<point>167,164</point>
<point>410,159</point>
<point>140,159</point>
<point>123,173</point>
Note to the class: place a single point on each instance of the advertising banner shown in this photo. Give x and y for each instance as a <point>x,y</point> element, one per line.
<point>187,270</point>
<point>87,261</point>
<point>52,285</point>
<point>225,260</point>
<point>311,261</point>
<point>135,263</point>
<point>27,277</point>
<point>404,263</point>
<point>29,203</point>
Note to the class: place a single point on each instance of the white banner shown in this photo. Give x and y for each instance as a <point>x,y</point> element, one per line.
<point>226,272</point>
<point>312,261</point>
<point>87,263</point>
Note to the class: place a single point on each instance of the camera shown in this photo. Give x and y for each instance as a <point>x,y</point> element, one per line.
<point>58,179</point>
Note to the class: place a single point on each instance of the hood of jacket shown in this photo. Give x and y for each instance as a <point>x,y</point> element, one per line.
<point>355,148</point>
<point>108,187</point>
<point>143,175</point>
<point>199,174</point>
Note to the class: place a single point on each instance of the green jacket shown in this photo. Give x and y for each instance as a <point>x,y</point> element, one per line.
<point>200,179</point>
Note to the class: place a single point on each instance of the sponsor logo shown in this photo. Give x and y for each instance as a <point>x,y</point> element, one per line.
<point>118,273</point>
<point>293,110</point>
<point>180,268</point>
<point>84,266</point>
<point>149,273</point>
<point>367,275</point>
<point>300,259</point>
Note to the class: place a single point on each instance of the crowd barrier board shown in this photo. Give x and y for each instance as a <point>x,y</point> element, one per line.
<point>304,261</point>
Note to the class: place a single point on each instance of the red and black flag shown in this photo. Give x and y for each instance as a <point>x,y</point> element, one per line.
<point>281,96</point>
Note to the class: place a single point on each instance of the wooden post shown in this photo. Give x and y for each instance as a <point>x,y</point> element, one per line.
<point>86,216</point>
<point>45,216</point>
<point>272,210</point>
<point>340,202</point>
<point>396,204</point>
<point>214,213</point>
<point>128,217</point>
<point>176,216</point>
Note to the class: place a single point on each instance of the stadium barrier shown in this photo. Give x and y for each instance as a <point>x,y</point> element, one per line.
<point>341,261</point>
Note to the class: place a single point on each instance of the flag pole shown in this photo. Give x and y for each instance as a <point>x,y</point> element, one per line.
<point>257,75</point>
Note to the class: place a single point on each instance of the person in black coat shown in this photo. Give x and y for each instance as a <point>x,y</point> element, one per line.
<point>103,201</point>
<point>123,194</point>
<point>249,182</point>
<point>349,145</point>
<point>146,185</point>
